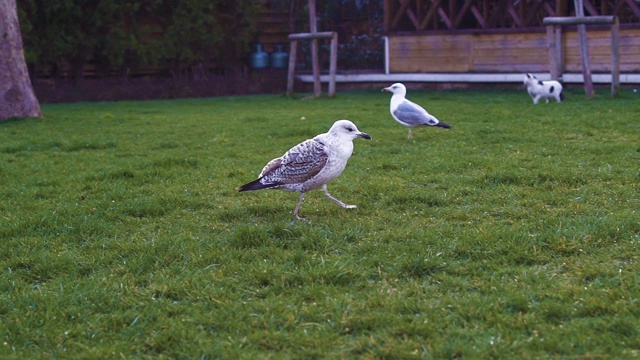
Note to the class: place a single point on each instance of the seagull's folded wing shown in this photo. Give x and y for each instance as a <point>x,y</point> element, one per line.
<point>413,115</point>
<point>299,164</point>
<point>271,165</point>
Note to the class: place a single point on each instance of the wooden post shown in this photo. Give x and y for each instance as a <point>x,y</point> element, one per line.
<point>553,52</point>
<point>387,9</point>
<point>556,56</point>
<point>561,8</point>
<point>559,51</point>
<point>584,50</point>
<point>293,47</point>
<point>615,58</point>
<point>315,64</point>
<point>333,64</point>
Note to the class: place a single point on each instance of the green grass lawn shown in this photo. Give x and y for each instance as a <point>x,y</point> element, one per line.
<point>513,235</point>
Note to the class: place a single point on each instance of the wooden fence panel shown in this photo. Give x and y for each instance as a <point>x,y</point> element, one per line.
<point>599,42</point>
<point>507,52</point>
<point>422,54</point>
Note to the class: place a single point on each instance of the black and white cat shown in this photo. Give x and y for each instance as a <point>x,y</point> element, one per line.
<point>543,89</point>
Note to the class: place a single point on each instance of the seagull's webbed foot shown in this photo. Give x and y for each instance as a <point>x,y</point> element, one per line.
<point>326,193</point>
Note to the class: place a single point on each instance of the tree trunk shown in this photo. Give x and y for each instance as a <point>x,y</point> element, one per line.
<point>17,98</point>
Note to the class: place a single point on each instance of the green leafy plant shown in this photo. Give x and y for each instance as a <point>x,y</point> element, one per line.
<point>63,36</point>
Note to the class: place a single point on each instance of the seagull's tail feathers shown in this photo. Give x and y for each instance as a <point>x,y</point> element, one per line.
<point>443,125</point>
<point>255,185</point>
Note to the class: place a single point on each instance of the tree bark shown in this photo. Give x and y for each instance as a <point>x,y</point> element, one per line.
<point>17,98</point>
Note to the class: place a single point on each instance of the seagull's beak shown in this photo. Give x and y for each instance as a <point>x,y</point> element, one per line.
<point>387,89</point>
<point>364,136</point>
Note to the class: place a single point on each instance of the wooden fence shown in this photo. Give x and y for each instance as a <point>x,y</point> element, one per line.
<point>511,51</point>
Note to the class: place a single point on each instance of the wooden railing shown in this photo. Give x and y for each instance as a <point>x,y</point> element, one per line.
<point>452,15</point>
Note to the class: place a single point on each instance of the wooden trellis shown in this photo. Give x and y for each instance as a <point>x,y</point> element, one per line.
<point>452,15</point>
<point>314,35</point>
<point>554,37</point>
<point>293,38</point>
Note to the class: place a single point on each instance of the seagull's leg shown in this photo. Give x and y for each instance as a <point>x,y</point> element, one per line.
<point>297,209</point>
<point>326,193</point>
<point>410,136</point>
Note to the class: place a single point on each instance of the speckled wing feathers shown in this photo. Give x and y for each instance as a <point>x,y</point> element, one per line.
<point>297,165</point>
<point>271,165</point>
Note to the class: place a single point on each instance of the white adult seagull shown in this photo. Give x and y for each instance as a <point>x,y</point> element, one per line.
<point>311,164</point>
<point>409,113</point>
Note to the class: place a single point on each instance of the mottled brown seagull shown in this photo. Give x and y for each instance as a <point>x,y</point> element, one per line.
<point>311,164</point>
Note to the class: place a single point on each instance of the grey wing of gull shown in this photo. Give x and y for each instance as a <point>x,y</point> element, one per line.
<point>413,115</point>
<point>297,165</point>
